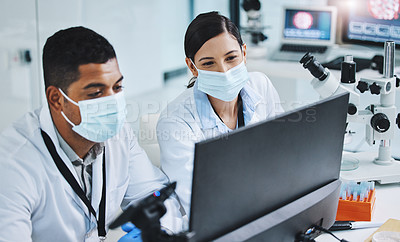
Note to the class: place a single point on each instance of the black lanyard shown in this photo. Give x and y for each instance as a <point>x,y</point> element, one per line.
<point>240,112</point>
<point>101,228</point>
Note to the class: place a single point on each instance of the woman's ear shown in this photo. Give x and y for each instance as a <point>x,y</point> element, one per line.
<point>191,66</point>
<point>244,48</point>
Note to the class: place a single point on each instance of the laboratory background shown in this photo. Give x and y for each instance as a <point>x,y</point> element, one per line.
<point>147,36</point>
<point>148,39</point>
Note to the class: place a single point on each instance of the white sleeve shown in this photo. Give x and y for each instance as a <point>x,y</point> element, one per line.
<point>16,206</point>
<point>144,179</point>
<point>273,97</point>
<point>177,140</point>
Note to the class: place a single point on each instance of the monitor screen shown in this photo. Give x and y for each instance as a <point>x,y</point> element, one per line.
<point>307,24</point>
<point>370,21</point>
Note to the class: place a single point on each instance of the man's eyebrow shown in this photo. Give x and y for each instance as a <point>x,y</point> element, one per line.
<point>91,85</point>
<point>120,79</point>
<point>96,84</point>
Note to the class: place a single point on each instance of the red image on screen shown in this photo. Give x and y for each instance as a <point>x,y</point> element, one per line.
<point>384,9</point>
<point>303,20</point>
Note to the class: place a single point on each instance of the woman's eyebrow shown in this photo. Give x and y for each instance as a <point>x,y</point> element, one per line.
<point>230,52</point>
<point>210,58</point>
<point>206,58</point>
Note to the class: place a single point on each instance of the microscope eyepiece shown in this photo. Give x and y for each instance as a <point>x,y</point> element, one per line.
<point>316,69</point>
<point>251,5</point>
<point>348,70</point>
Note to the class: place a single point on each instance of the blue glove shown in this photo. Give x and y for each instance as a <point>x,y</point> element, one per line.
<point>133,233</point>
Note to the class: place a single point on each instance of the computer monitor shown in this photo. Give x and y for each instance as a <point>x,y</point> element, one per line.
<point>369,22</point>
<point>309,23</point>
<point>271,180</point>
<point>306,29</point>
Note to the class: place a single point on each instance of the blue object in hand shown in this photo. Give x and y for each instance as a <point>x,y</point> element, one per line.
<point>133,233</point>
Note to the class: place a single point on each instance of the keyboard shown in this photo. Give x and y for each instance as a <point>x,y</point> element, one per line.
<point>303,48</point>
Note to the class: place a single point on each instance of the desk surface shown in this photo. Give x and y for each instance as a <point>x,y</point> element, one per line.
<point>387,206</point>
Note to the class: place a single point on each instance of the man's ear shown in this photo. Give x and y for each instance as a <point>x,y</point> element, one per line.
<point>192,68</point>
<point>54,98</point>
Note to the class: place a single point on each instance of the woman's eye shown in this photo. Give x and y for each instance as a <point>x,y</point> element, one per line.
<point>231,58</point>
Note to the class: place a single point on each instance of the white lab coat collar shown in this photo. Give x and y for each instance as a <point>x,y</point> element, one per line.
<point>97,181</point>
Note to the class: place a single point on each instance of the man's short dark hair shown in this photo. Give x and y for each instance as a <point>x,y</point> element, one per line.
<point>67,49</point>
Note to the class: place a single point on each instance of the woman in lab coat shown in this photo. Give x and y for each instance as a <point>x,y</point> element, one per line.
<point>222,96</point>
<point>80,131</point>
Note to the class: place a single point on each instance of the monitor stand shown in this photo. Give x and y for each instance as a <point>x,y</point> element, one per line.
<point>287,222</point>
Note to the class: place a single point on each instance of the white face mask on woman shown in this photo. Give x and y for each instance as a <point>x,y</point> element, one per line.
<point>101,118</point>
<point>223,85</point>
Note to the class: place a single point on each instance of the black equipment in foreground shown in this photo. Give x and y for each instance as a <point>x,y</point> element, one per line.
<point>146,216</point>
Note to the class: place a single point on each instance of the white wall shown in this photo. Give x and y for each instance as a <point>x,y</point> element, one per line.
<point>133,30</point>
<point>19,90</point>
<point>173,28</point>
<point>147,36</point>
<point>202,6</point>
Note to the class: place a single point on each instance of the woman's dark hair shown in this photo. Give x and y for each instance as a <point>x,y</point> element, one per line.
<point>204,27</point>
<point>67,49</point>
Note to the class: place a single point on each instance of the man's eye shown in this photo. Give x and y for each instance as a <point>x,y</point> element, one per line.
<point>208,63</point>
<point>119,88</point>
<point>95,94</point>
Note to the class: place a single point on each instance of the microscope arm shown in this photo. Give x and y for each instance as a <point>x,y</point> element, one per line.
<point>331,86</point>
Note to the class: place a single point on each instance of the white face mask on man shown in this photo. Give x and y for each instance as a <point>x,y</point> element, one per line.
<point>223,85</point>
<point>101,118</point>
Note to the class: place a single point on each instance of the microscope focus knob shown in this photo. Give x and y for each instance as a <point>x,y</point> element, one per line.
<point>380,122</point>
<point>351,109</point>
<point>375,89</point>
<point>362,86</point>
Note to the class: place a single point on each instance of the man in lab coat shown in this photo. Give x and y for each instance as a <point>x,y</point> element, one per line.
<point>79,133</point>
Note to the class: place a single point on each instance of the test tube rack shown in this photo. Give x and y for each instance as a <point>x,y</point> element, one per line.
<point>349,210</point>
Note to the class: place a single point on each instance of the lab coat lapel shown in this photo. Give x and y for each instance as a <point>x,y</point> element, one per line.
<point>46,124</point>
<point>255,118</point>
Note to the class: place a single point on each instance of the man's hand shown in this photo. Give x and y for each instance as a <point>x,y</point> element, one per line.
<point>133,233</point>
